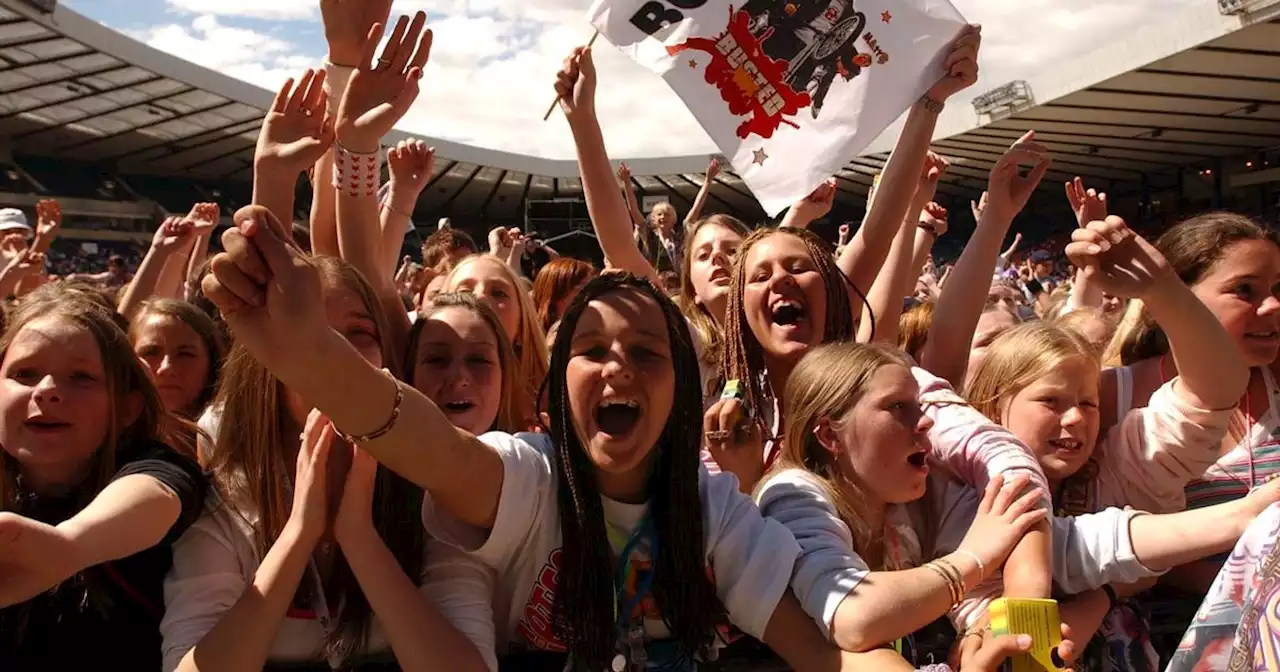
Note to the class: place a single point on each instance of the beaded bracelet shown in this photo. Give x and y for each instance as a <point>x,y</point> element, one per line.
<point>356,174</point>
<point>386,426</point>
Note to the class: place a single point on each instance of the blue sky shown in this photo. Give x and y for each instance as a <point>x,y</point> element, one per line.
<point>493,61</point>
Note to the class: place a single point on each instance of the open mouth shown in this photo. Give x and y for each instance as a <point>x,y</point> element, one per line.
<point>617,417</point>
<point>919,460</point>
<point>1066,445</point>
<point>787,313</point>
<point>1269,336</point>
<point>459,406</point>
<point>46,424</point>
<point>720,275</point>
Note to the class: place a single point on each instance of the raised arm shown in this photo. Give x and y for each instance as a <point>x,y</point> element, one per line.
<point>1211,374</point>
<point>242,637</point>
<point>48,224</point>
<point>576,86</point>
<point>629,193</point>
<point>269,293</point>
<point>713,169</point>
<point>420,636</point>
<point>813,207</point>
<point>411,164</point>
<point>864,255</point>
<point>173,238</point>
<point>946,353</point>
<point>1089,206</point>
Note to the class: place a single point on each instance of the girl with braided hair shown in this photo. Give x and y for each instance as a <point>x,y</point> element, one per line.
<point>602,534</point>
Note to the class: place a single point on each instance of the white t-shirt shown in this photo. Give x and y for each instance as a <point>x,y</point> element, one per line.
<point>750,557</point>
<point>214,562</point>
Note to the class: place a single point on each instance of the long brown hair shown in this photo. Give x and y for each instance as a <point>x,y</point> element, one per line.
<point>827,384</point>
<point>515,410</point>
<point>253,465</point>
<point>1192,247</point>
<point>743,357</point>
<point>204,327</point>
<point>703,322</point>
<point>554,282</point>
<point>136,417</point>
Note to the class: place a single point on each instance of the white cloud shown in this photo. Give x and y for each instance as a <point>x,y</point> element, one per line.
<point>493,62</point>
<point>259,9</point>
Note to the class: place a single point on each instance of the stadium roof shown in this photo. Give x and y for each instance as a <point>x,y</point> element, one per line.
<point>1201,85</point>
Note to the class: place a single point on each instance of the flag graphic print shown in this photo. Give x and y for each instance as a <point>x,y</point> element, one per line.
<point>789,90</point>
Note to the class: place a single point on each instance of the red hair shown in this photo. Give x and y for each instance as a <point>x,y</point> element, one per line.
<point>554,282</point>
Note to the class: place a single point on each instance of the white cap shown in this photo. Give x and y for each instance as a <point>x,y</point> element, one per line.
<point>442,224</point>
<point>11,219</point>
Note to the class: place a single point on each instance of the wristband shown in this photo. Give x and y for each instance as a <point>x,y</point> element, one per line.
<point>931,105</point>
<point>356,174</point>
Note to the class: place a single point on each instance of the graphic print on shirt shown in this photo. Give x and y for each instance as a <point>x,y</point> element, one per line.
<point>536,624</point>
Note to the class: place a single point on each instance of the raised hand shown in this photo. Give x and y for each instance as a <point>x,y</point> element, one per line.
<point>735,440</point>
<point>23,265</point>
<point>204,218</point>
<point>1088,204</point>
<point>310,512</point>
<point>935,166</point>
<point>172,233</point>
<point>713,169</point>
<point>266,289</point>
<point>961,65</point>
<point>624,173</point>
<point>380,92</point>
<point>1004,516</point>
<point>500,242</point>
<point>410,163</point>
<point>48,218</point>
<point>817,204</point>
<point>347,24</point>
<point>845,229</point>
<point>1007,190</point>
<point>576,84</point>
<point>1119,260</point>
<point>934,216</point>
<point>978,207</point>
<point>295,132</point>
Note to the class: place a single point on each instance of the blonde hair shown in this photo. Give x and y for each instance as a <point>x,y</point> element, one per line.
<point>826,384</point>
<point>1080,318</point>
<point>704,324</point>
<point>1019,357</point>
<point>1134,337</point>
<point>913,328</point>
<point>515,410</point>
<point>529,342</point>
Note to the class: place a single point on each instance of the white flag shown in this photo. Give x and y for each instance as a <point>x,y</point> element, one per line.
<point>789,90</point>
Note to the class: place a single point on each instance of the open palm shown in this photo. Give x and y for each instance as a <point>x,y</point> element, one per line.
<point>295,132</point>
<point>381,91</point>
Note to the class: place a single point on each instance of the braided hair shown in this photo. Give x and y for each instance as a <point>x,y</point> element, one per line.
<point>584,617</point>
<point>743,358</point>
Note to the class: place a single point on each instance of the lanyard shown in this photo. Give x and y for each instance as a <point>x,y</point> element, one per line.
<point>645,529</point>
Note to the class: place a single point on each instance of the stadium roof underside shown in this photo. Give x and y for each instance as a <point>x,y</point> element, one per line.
<point>1182,93</point>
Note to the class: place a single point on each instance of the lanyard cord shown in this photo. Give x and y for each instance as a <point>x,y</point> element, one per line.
<point>644,530</point>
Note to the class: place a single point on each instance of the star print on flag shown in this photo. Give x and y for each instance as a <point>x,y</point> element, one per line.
<point>817,81</point>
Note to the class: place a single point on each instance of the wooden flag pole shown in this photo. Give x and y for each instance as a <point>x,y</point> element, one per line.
<point>557,100</point>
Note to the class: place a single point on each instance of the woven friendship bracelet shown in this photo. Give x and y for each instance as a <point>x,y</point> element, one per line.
<point>356,174</point>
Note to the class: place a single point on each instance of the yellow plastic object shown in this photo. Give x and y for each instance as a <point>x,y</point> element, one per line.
<point>1038,618</point>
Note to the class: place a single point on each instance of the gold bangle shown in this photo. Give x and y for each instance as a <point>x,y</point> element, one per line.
<point>959,577</point>
<point>946,578</point>
<point>387,426</point>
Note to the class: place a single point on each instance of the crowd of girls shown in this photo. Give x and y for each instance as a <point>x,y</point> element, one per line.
<point>731,449</point>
